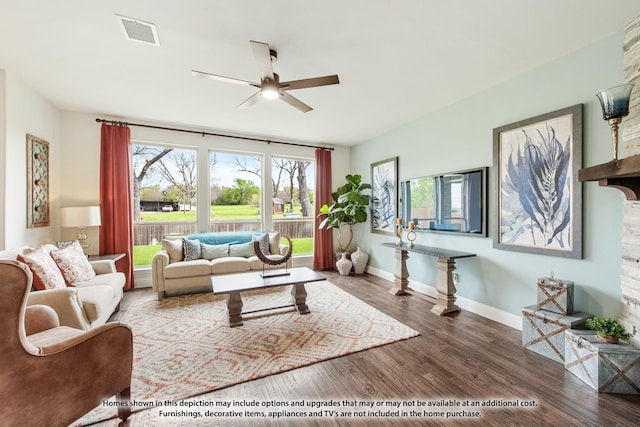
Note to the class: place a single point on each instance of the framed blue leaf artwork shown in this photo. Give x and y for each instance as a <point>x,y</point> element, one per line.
<point>537,196</point>
<point>384,196</point>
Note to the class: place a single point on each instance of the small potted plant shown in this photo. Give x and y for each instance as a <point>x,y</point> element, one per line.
<point>608,329</point>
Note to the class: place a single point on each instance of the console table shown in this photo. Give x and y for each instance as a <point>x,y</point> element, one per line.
<point>445,302</point>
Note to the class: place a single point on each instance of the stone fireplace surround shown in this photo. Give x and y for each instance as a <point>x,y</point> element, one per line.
<point>630,273</point>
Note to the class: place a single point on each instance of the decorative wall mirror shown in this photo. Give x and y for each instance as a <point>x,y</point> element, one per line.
<point>454,202</point>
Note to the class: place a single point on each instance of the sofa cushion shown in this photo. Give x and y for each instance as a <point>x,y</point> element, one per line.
<point>198,267</point>
<point>191,249</point>
<point>114,280</point>
<point>46,274</point>
<point>242,250</point>
<point>214,251</point>
<point>95,300</point>
<point>73,263</point>
<point>174,249</point>
<point>230,265</point>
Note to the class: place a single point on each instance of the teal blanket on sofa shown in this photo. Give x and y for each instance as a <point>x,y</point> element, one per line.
<point>221,238</point>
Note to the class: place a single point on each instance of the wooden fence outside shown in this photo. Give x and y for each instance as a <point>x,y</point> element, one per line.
<point>151,233</point>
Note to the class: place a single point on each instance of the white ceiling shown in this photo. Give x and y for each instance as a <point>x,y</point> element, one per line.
<point>397,59</point>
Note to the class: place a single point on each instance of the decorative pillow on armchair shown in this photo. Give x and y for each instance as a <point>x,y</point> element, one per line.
<point>73,263</point>
<point>46,274</point>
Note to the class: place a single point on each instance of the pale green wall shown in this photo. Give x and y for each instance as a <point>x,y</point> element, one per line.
<point>460,137</point>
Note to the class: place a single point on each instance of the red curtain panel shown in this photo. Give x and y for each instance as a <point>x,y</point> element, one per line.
<point>323,257</point>
<point>116,232</point>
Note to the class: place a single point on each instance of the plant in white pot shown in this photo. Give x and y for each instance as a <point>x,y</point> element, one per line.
<point>349,208</point>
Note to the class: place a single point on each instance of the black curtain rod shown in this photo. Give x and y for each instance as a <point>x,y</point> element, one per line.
<point>268,141</point>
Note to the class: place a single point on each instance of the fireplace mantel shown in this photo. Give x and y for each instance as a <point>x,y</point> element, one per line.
<point>623,174</point>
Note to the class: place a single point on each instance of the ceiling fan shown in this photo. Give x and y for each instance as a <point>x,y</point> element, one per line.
<point>270,85</point>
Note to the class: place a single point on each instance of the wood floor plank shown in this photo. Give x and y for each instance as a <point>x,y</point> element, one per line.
<point>462,356</point>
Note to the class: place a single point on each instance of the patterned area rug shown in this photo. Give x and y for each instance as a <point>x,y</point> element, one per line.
<point>184,347</point>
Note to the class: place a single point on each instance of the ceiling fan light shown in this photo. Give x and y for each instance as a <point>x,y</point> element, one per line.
<point>270,92</point>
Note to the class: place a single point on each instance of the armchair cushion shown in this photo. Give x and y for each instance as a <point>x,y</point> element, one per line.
<point>46,274</point>
<point>73,263</point>
<point>38,318</point>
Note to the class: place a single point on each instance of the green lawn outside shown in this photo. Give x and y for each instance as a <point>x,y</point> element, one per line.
<point>143,254</point>
<point>217,213</point>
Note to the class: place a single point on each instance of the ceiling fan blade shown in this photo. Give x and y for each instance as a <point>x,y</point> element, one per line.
<point>262,54</point>
<point>312,82</point>
<point>295,102</point>
<point>249,102</point>
<point>223,79</point>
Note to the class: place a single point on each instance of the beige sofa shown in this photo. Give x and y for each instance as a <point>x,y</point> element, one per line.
<point>171,274</point>
<point>86,305</point>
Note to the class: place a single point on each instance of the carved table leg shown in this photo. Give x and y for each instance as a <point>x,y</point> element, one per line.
<point>446,289</point>
<point>234,307</point>
<point>401,275</point>
<point>299,294</point>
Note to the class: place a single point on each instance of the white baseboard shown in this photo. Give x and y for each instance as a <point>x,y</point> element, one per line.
<point>492,313</point>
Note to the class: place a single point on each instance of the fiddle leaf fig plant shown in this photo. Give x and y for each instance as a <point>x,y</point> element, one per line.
<point>607,327</point>
<point>349,207</point>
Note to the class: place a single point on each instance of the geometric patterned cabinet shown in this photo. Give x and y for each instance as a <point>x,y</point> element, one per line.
<point>607,368</point>
<point>543,331</point>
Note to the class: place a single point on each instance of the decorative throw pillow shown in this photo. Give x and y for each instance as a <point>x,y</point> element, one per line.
<point>46,274</point>
<point>263,242</point>
<point>274,243</point>
<point>244,250</point>
<point>173,248</point>
<point>210,252</point>
<point>73,263</point>
<point>191,249</point>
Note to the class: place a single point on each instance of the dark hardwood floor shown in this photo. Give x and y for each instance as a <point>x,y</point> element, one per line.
<point>461,357</point>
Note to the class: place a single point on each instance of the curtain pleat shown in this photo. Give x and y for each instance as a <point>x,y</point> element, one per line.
<point>116,232</point>
<point>323,256</point>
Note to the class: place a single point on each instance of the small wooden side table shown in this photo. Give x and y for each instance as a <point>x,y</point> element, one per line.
<point>112,257</point>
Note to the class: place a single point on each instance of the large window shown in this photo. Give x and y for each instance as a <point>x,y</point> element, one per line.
<point>236,191</point>
<point>164,196</point>
<point>292,201</point>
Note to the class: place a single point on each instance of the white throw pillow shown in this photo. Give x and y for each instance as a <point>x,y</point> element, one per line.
<point>46,274</point>
<point>173,248</point>
<point>274,243</point>
<point>73,263</point>
<point>210,252</point>
<point>244,250</point>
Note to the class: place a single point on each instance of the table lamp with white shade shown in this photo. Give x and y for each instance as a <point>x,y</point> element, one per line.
<point>81,217</point>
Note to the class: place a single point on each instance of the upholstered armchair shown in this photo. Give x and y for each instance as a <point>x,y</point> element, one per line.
<point>50,374</point>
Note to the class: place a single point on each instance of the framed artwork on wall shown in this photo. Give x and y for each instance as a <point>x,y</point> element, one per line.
<point>384,196</point>
<point>538,199</point>
<point>37,182</point>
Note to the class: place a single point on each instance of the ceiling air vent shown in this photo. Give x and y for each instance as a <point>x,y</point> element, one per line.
<point>140,31</point>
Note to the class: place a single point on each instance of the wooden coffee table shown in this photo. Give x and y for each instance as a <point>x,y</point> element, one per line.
<point>234,284</point>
